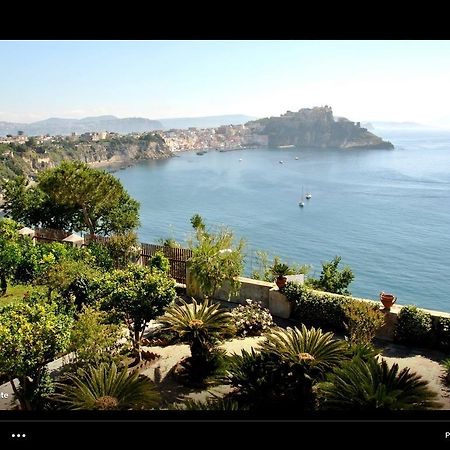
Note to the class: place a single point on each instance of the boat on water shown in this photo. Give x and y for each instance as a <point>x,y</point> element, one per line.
<point>308,195</point>
<point>240,159</point>
<point>296,157</point>
<point>281,162</point>
<point>286,146</point>
<point>301,203</point>
<point>202,152</point>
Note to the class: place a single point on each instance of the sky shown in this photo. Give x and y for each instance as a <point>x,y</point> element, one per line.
<point>361,80</point>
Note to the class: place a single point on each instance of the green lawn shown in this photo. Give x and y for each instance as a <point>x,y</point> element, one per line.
<point>14,293</point>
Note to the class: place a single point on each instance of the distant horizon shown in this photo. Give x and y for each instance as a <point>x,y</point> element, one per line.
<point>396,122</point>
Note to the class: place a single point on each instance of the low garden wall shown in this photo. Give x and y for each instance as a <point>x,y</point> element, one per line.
<point>265,292</point>
<point>404,324</point>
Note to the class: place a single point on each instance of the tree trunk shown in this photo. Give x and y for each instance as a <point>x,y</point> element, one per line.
<point>88,221</point>
<point>3,283</point>
<point>137,344</point>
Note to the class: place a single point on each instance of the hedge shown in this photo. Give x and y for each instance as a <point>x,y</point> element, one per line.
<point>316,308</point>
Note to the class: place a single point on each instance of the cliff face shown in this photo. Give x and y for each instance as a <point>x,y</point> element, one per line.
<point>30,159</point>
<point>317,128</point>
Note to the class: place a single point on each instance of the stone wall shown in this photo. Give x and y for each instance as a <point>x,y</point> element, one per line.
<point>277,303</point>
<point>265,292</point>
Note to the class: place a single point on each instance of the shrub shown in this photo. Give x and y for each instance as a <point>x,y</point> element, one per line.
<point>102,257</point>
<point>442,334</point>
<point>414,326</point>
<point>73,280</point>
<point>316,308</point>
<point>363,320</point>
<point>251,319</point>
<point>332,279</point>
<point>160,262</point>
<point>93,340</point>
<point>123,248</point>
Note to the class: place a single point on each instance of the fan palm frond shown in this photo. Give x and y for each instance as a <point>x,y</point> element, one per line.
<point>107,387</point>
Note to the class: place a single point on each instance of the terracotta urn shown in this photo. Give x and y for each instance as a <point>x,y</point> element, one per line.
<point>387,299</point>
<point>281,282</point>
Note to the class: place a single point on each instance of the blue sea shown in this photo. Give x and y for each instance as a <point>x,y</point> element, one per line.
<point>385,212</point>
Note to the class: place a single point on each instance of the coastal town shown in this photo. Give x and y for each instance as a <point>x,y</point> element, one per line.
<point>225,137</point>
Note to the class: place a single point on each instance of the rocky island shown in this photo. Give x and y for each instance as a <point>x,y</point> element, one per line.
<point>316,128</point>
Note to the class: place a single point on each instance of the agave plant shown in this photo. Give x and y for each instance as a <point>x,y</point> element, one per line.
<point>107,387</point>
<point>372,385</point>
<point>198,324</point>
<point>312,349</point>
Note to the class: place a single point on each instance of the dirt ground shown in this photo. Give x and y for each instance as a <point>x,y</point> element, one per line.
<point>425,362</point>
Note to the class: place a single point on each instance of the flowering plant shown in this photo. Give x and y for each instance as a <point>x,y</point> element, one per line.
<point>251,319</point>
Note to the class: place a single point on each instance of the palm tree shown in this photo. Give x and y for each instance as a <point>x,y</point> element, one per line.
<point>107,387</point>
<point>312,349</point>
<point>198,324</point>
<point>284,372</point>
<point>372,385</point>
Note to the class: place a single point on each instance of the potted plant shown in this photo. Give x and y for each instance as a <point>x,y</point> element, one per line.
<point>387,299</point>
<point>280,270</point>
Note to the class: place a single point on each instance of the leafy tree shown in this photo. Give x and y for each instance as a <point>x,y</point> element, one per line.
<point>73,196</point>
<point>332,279</point>
<point>32,207</point>
<point>10,252</point>
<point>137,295</point>
<point>123,248</point>
<point>97,195</point>
<point>371,385</point>
<point>32,334</point>
<point>216,259</point>
<point>92,339</point>
<point>108,388</point>
<point>197,222</point>
<point>73,280</point>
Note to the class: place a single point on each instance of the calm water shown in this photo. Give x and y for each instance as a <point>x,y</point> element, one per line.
<point>386,212</point>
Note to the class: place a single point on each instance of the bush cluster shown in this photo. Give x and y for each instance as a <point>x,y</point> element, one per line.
<point>414,327</point>
<point>316,308</point>
<point>251,319</point>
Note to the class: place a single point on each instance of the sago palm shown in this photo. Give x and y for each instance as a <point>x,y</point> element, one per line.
<point>107,387</point>
<point>198,324</point>
<point>311,348</point>
<point>372,385</point>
